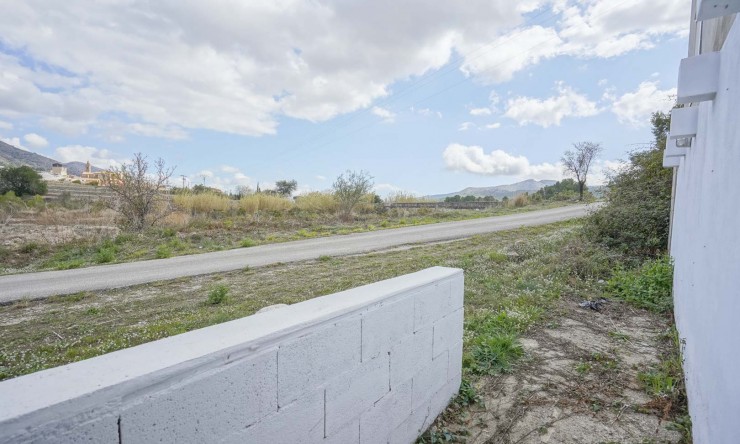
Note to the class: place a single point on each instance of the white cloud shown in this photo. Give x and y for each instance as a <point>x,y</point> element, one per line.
<point>98,157</point>
<point>635,108</point>
<point>229,169</point>
<point>592,29</point>
<point>6,125</point>
<point>425,112</point>
<point>385,114</point>
<point>480,112</point>
<point>494,125</point>
<point>232,178</point>
<point>320,177</point>
<point>205,173</point>
<point>601,170</point>
<point>35,141</point>
<point>466,126</point>
<point>550,111</point>
<point>237,67</point>
<point>473,159</point>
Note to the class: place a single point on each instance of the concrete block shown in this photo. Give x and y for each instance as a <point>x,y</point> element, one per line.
<point>448,331</point>
<point>349,434</point>
<point>684,122</point>
<point>92,427</point>
<point>310,361</point>
<point>207,406</point>
<point>385,415</point>
<point>442,398</point>
<point>299,422</point>
<point>429,380</point>
<point>698,78</point>
<point>411,355</point>
<point>454,367</point>
<point>386,325</point>
<point>413,426</point>
<point>671,161</point>
<point>431,303</point>
<point>355,391</point>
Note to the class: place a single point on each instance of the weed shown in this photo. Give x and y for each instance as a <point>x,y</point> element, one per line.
<point>491,355</point>
<point>92,311</point>
<point>163,251</point>
<point>29,248</point>
<point>218,294</point>
<point>467,394</point>
<point>619,336</point>
<point>646,287</point>
<point>105,255</point>
<point>584,367</point>
<point>324,258</point>
<point>247,242</point>
<point>497,257</point>
<point>68,265</point>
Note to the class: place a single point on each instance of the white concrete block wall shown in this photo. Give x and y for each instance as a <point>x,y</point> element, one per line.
<point>706,250</point>
<point>375,364</point>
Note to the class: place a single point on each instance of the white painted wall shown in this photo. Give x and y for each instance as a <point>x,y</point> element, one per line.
<point>374,364</point>
<point>705,245</point>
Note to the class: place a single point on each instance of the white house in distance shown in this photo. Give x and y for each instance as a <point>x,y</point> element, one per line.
<point>704,149</point>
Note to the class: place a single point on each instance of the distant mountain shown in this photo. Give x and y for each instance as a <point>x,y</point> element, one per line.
<point>10,155</point>
<point>500,191</point>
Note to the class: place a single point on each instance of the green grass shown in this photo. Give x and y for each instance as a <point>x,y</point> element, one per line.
<point>218,294</point>
<point>648,286</point>
<point>502,300</point>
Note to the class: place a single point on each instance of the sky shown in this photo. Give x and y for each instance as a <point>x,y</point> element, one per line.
<point>427,97</point>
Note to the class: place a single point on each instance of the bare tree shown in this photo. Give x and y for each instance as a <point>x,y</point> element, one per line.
<point>139,194</point>
<point>349,189</point>
<point>578,161</point>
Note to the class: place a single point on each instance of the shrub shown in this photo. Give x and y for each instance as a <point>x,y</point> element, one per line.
<point>105,255</point>
<point>350,188</point>
<point>247,242</point>
<point>218,294</point>
<point>521,200</point>
<point>636,215</point>
<point>491,355</point>
<point>163,252</point>
<point>646,287</point>
<point>22,180</point>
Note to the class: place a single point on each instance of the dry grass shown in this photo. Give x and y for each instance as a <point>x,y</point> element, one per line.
<point>202,202</point>
<point>317,202</point>
<point>401,197</point>
<point>521,201</point>
<point>264,202</point>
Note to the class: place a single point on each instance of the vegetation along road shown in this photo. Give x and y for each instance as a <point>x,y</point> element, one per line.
<point>50,283</point>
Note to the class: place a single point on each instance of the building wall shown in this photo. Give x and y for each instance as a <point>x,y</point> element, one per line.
<point>705,246</point>
<point>374,364</point>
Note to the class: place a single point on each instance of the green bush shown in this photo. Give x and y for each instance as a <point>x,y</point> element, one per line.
<point>491,355</point>
<point>636,216</point>
<point>218,294</point>
<point>646,287</point>
<point>22,181</point>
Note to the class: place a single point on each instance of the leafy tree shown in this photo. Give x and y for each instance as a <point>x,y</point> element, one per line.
<point>349,188</point>
<point>562,190</point>
<point>285,187</point>
<point>139,194</point>
<point>578,161</point>
<point>636,215</point>
<point>22,180</point>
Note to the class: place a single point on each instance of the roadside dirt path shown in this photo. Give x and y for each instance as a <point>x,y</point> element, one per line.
<point>578,384</point>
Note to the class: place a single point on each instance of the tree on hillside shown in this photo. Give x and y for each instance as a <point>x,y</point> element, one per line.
<point>636,215</point>
<point>578,161</point>
<point>139,193</point>
<point>349,188</point>
<point>286,187</point>
<point>22,180</point>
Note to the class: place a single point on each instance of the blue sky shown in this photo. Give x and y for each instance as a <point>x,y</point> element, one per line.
<point>427,98</point>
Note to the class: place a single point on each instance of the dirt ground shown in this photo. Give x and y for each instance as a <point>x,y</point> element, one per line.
<point>577,384</point>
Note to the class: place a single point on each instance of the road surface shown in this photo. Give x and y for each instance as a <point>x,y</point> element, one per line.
<point>50,283</point>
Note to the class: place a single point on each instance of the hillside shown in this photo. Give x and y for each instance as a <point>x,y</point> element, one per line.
<point>500,191</point>
<point>10,155</point>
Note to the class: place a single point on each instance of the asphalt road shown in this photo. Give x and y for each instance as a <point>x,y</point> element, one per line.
<point>50,283</point>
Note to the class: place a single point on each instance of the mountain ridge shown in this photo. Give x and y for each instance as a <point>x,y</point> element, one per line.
<point>10,155</point>
<point>499,191</point>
